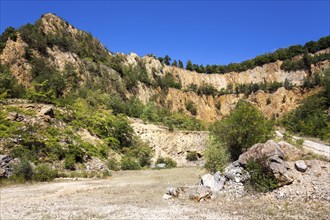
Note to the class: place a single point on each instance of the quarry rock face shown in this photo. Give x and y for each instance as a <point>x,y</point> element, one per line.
<point>272,105</point>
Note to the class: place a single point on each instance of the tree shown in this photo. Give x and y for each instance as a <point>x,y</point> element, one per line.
<point>10,32</point>
<point>244,127</point>
<point>180,64</point>
<point>175,63</point>
<point>189,65</point>
<point>167,60</point>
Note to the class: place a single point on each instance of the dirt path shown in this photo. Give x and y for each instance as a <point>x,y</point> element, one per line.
<point>126,195</point>
<point>317,148</point>
<point>138,195</point>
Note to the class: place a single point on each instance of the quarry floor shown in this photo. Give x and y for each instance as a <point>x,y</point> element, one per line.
<point>138,195</point>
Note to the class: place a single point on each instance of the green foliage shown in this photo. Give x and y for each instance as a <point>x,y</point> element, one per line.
<point>168,81</point>
<point>43,173</point>
<point>207,89</point>
<point>216,155</point>
<point>191,107</point>
<point>192,156</point>
<point>69,162</point>
<point>9,33</point>
<point>34,37</point>
<point>23,170</point>
<point>130,163</point>
<point>244,127</point>
<point>113,164</point>
<point>170,163</point>
<point>304,63</point>
<point>310,118</point>
<point>9,87</point>
<point>281,54</point>
<point>262,178</point>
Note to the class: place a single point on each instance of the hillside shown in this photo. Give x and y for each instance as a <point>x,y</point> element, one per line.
<point>66,98</point>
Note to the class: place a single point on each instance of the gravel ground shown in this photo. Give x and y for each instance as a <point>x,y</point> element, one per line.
<point>138,195</point>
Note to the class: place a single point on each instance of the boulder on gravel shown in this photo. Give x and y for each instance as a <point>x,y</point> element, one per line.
<point>300,165</point>
<point>214,182</point>
<point>236,173</point>
<point>268,149</point>
<point>274,155</point>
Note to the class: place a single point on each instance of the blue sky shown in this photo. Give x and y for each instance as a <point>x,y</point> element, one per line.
<point>207,32</point>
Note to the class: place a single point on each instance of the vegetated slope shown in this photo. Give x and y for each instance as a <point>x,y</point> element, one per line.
<point>83,62</point>
<point>52,62</point>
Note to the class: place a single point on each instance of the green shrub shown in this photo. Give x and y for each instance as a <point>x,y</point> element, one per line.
<point>310,118</point>
<point>191,107</point>
<point>192,156</point>
<point>69,162</point>
<point>170,163</point>
<point>130,163</point>
<point>23,170</point>
<point>113,164</point>
<point>244,127</point>
<point>216,155</point>
<point>43,173</point>
<point>262,178</point>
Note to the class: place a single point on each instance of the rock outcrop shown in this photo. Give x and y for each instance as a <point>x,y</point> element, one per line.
<point>6,165</point>
<point>174,144</point>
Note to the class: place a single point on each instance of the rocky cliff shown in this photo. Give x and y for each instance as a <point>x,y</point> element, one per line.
<point>209,107</point>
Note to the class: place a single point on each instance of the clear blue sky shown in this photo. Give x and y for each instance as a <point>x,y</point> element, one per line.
<point>207,32</point>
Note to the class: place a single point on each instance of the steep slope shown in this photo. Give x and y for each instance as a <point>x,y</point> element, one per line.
<point>93,90</point>
<point>122,74</point>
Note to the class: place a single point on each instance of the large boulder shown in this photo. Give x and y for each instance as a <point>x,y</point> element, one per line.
<point>274,155</point>
<point>214,182</point>
<point>291,152</point>
<point>236,173</point>
<point>268,149</point>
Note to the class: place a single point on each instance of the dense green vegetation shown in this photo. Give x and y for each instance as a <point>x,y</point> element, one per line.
<point>311,118</point>
<point>216,155</point>
<point>262,179</point>
<point>244,127</point>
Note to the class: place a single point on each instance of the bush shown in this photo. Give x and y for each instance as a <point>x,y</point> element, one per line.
<point>130,163</point>
<point>244,127</point>
<point>192,156</point>
<point>23,170</point>
<point>191,107</point>
<point>69,162</point>
<point>113,165</point>
<point>166,160</point>
<point>262,178</point>
<point>216,156</point>
<point>43,173</point>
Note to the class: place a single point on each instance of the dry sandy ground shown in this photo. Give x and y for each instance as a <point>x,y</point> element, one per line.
<point>138,195</point>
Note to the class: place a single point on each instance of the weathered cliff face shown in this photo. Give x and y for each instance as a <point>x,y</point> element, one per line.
<point>173,144</point>
<point>209,108</point>
<point>13,55</point>
<point>271,105</point>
